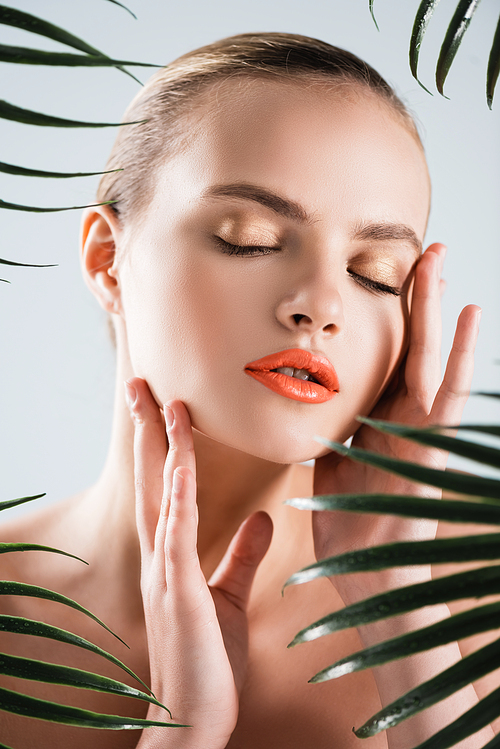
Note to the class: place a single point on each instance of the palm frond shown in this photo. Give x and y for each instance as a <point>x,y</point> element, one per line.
<point>30,56</point>
<point>443,685</point>
<point>28,117</point>
<point>27,22</point>
<point>51,673</point>
<point>39,209</point>
<point>11,588</point>
<point>31,707</point>
<point>20,625</point>
<point>465,624</point>
<point>493,67</point>
<point>124,7</point>
<point>482,508</point>
<point>461,483</point>
<point>424,14</point>
<point>22,171</point>
<point>449,510</point>
<point>10,547</point>
<point>8,503</point>
<point>454,35</point>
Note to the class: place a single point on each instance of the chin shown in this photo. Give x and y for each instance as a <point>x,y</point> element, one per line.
<point>281,448</point>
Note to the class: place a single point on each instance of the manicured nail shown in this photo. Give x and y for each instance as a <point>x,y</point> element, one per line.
<point>177,482</point>
<point>169,416</point>
<point>130,395</point>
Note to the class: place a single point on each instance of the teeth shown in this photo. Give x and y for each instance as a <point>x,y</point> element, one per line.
<point>299,374</point>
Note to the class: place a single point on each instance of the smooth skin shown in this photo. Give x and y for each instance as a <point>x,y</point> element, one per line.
<point>194,485</point>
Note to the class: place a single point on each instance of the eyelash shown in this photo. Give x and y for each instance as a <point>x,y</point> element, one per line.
<point>242,249</point>
<point>376,286</point>
<point>256,250</point>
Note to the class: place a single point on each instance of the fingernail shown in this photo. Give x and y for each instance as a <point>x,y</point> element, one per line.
<point>130,395</point>
<point>178,481</point>
<point>169,416</point>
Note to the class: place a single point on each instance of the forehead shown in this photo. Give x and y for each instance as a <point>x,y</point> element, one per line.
<point>338,151</point>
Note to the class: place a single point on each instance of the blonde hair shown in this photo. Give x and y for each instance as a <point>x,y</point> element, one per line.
<point>172,94</point>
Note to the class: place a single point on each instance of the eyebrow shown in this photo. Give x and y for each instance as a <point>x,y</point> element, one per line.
<point>378,232</point>
<point>388,232</point>
<point>269,199</point>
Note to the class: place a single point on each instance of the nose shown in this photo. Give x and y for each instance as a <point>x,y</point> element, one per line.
<point>314,306</point>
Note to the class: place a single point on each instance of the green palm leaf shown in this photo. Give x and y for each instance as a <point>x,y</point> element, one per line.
<point>402,554</point>
<point>31,707</point>
<point>457,627</point>
<point>25,21</point>
<point>9,547</point>
<point>28,117</point>
<point>19,625</point>
<point>8,503</point>
<point>11,588</point>
<point>29,56</point>
<point>35,25</point>
<point>493,67</point>
<point>456,482</point>
<point>470,584</point>
<point>50,673</point>
<point>372,12</point>
<point>472,450</point>
<point>454,35</point>
<point>492,429</point>
<point>27,265</point>
<point>24,172</point>
<point>448,682</point>
<point>38,209</point>
<point>115,2</point>
<point>452,511</point>
<point>424,14</point>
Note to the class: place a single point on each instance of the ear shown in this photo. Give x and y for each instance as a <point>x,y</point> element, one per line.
<point>100,236</point>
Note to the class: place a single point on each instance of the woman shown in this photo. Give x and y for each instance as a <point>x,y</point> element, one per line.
<point>259,264</point>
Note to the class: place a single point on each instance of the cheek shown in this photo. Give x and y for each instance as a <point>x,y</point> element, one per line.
<point>378,342</point>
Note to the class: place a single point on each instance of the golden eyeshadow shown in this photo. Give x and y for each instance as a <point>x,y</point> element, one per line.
<point>383,270</point>
<point>241,231</point>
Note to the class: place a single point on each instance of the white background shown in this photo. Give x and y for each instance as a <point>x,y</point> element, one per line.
<point>56,362</point>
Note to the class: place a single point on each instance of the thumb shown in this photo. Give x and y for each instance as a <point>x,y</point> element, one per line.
<point>234,575</point>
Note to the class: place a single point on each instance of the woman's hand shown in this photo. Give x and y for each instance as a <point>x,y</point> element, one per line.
<point>197,634</point>
<point>418,399</point>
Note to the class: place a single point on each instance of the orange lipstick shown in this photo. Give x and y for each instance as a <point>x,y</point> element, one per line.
<point>307,378</point>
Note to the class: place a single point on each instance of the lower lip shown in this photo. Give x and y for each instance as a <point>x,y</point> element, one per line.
<point>291,387</point>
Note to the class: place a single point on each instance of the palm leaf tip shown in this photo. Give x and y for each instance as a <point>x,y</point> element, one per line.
<point>32,707</point>
<point>115,2</point>
<point>453,38</point>
<point>372,13</point>
<point>493,67</point>
<point>422,18</point>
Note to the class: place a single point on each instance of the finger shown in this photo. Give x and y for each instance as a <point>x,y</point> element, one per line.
<point>177,528</point>
<point>150,449</point>
<point>180,443</point>
<point>454,391</point>
<point>234,575</point>
<point>423,366</point>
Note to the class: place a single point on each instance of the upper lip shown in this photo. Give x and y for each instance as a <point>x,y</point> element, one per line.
<point>318,366</point>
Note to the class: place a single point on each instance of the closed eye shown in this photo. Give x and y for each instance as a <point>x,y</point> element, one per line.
<point>376,286</point>
<point>243,249</point>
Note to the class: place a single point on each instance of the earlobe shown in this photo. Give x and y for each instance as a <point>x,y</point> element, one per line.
<point>100,236</point>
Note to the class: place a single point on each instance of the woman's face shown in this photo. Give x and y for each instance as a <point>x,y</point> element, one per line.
<point>291,220</point>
